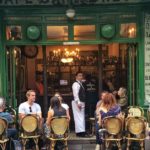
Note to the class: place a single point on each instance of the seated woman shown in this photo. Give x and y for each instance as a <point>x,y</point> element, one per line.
<point>64,105</point>
<point>108,107</point>
<point>98,106</point>
<point>55,110</point>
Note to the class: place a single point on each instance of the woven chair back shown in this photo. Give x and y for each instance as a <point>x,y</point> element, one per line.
<point>136,125</point>
<point>59,125</point>
<point>113,125</point>
<point>29,123</point>
<point>3,127</point>
<point>135,111</point>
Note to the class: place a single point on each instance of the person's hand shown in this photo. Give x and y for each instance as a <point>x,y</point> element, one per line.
<point>79,105</point>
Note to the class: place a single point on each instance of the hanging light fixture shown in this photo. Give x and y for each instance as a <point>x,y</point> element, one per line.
<point>67,55</point>
<point>67,60</point>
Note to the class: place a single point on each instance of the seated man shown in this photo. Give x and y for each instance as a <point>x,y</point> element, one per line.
<point>11,131</point>
<point>30,107</point>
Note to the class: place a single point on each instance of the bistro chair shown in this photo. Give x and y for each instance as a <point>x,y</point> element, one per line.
<point>135,130</point>
<point>92,125</point>
<point>29,130</point>
<point>148,116</point>
<point>59,127</point>
<point>3,137</point>
<point>135,111</point>
<point>114,129</point>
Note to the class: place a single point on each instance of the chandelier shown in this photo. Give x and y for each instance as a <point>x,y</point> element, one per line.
<point>66,55</point>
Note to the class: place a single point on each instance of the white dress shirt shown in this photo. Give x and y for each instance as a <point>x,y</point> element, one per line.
<point>76,88</point>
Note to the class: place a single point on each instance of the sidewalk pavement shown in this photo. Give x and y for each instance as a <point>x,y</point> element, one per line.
<point>89,144</point>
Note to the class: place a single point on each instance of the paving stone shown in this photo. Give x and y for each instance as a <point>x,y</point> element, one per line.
<point>89,147</point>
<point>75,147</point>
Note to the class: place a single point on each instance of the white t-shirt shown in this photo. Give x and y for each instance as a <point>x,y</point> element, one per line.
<point>24,108</point>
<point>65,106</point>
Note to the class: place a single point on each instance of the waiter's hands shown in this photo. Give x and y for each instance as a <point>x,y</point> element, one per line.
<point>80,105</point>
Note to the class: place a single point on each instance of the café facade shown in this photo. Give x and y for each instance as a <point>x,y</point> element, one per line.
<point>108,40</point>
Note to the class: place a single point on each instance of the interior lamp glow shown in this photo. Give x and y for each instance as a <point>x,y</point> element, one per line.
<point>67,60</point>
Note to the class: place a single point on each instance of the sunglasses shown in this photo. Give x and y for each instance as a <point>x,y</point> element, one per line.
<point>30,109</point>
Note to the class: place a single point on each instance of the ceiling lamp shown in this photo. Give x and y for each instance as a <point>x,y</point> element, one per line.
<point>66,55</point>
<point>70,13</point>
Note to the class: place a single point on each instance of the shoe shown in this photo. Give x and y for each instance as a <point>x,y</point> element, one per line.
<point>83,134</point>
<point>44,148</point>
<point>97,147</point>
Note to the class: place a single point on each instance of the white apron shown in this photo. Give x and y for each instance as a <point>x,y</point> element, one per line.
<point>79,117</point>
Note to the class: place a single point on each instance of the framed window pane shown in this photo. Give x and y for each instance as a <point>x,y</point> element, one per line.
<point>57,33</point>
<point>13,33</point>
<point>128,30</point>
<point>84,32</point>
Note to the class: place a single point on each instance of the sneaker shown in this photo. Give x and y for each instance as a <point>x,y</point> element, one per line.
<point>97,147</point>
<point>44,148</point>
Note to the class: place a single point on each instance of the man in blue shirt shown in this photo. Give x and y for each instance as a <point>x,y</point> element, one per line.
<point>11,132</point>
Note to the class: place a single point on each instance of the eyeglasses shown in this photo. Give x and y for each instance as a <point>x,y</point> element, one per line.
<point>30,109</point>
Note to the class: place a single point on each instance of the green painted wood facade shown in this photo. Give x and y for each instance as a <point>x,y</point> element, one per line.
<point>42,15</point>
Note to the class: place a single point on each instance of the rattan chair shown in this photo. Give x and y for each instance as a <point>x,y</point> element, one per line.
<point>3,137</point>
<point>148,116</point>
<point>135,111</point>
<point>135,130</point>
<point>29,130</point>
<point>114,128</point>
<point>59,131</point>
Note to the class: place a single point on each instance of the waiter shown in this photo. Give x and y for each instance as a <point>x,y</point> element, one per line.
<point>78,105</point>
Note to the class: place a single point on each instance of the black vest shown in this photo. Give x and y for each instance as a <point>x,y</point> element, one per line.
<point>82,95</point>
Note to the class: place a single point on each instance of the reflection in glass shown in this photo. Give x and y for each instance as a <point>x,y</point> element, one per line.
<point>57,33</point>
<point>13,33</point>
<point>128,30</point>
<point>84,32</point>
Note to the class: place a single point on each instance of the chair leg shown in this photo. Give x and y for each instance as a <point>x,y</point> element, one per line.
<point>66,145</point>
<point>128,144</point>
<point>24,141</point>
<point>106,144</point>
<point>142,145</point>
<point>3,146</point>
<point>36,143</point>
<point>52,145</point>
<point>119,145</point>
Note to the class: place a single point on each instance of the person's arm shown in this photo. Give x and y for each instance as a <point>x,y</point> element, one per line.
<point>75,89</point>
<point>99,119</point>
<point>21,112</point>
<point>68,114</point>
<point>21,115</point>
<point>38,111</point>
<point>49,117</point>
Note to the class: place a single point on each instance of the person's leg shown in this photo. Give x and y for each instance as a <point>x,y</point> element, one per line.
<point>98,141</point>
<point>12,133</point>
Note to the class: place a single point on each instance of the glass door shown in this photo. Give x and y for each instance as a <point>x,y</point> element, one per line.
<point>118,63</point>
<point>12,63</point>
<point>132,73</point>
